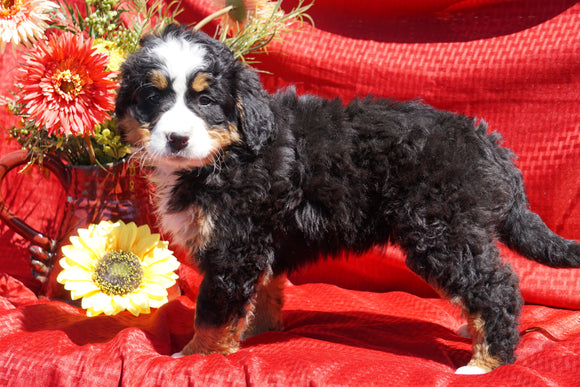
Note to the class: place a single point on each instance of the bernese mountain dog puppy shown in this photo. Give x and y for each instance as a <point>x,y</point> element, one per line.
<point>254,185</point>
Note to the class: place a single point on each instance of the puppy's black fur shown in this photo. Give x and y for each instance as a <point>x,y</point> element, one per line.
<point>309,177</point>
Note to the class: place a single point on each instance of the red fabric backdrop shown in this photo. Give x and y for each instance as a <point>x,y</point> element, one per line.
<point>513,63</point>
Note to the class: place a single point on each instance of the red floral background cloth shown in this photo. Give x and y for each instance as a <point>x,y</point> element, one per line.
<point>365,320</point>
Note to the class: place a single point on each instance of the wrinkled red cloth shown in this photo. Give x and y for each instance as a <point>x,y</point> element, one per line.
<point>351,321</point>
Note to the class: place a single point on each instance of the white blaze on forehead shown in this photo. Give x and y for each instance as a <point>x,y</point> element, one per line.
<point>181,59</point>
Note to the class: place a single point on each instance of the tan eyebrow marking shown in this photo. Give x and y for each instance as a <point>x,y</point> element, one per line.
<point>158,79</point>
<point>200,82</point>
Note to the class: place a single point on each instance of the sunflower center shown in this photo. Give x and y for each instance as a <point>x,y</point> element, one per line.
<point>67,84</point>
<point>118,273</point>
<point>9,7</point>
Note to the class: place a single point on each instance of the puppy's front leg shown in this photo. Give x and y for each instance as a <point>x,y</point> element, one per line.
<point>224,308</point>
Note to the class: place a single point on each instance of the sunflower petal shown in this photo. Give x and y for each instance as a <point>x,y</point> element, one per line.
<point>153,289</point>
<point>157,303</point>
<point>81,289</point>
<point>120,302</point>
<point>88,240</point>
<point>81,257</point>
<point>139,302</point>
<point>73,274</point>
<point>99,302</point>
<point>100,240</point>
<point>145,243</point>
<point>127,236</point>
<point>158,254</point>
<point>160,268</point>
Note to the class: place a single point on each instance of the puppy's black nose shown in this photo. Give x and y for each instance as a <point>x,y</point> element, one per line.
<point>177,142</point>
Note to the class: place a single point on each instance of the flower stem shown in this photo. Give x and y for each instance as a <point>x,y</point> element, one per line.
<point>90,149</point>
<point>213,16</point>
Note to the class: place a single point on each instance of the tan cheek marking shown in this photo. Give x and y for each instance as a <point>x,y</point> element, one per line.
<point>201,82</point>
<point>158,79</point>
<point>481,357</point>
<point>222,138</point>
<point>133,132</point>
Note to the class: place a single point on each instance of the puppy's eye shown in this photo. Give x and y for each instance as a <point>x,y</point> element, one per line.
<point>154,99</point>
<point>204,100</point>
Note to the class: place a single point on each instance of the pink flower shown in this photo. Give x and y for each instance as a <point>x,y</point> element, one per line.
<point>22,21</point>
<point>65,86</point>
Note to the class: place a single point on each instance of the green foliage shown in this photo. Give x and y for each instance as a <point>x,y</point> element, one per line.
<point>105,24</point>
<point>116,27</point>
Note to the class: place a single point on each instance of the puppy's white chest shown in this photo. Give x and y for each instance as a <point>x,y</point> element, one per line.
<point>190,228</point>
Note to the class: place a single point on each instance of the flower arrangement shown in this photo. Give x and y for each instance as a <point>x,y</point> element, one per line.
<point>116,266</point>
<point>64,98</point>
<point>65,89</point>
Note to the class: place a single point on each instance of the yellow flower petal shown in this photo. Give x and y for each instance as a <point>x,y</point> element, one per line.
<point>93,301</point>
<point>145,243</point>
<point>139,302</point>
<point>81,289</point>
<point>153,289</point>
<point>127,236</point>
<point>110,308</point>
<point>120,302</point>
<point>99,241</point>
<point>158,254</point>
<point>99,303</point>
<point>158,303</point>
<point>134,310</point>
<point>82,257</point>
<point>160,268</point>
<point>92,313</point>
<point>88,240</point>
<point>73,274</point>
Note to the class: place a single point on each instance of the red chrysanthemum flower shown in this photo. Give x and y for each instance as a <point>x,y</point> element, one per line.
<point>65,86</point>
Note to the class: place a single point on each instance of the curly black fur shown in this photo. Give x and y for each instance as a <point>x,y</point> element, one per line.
<point>315,177</point>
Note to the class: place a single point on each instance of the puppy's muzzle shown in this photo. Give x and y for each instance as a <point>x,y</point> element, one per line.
<point>177,142</point>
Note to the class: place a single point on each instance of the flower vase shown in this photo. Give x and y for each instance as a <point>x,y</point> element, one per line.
<point>93,193</point>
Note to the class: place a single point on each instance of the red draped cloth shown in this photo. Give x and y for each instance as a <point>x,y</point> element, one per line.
<point>356,320</point>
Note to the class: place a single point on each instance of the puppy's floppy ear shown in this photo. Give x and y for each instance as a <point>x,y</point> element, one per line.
<point>131,74</point>
<point>255,115</point>
<point>125,96</point>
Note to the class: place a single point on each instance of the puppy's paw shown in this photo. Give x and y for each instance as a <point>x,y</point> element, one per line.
<point>470,370</point>
<point>207,344</point>
<point>178,355</point>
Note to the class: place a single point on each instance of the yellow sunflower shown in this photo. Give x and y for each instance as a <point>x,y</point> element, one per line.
<point>117,266</point>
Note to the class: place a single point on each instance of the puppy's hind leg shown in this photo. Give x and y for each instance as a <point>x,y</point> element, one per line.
<point>267,314</point>
<point>488,291</point>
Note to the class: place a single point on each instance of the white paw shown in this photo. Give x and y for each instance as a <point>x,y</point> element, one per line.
<point>177,355</point>
<point>463,331</point>
<point>470,370</point>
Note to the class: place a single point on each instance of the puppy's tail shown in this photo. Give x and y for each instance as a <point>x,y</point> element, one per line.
<point>524,232</point>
